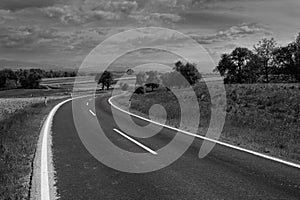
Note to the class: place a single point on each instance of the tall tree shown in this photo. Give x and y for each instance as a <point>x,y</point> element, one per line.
<point>106,79</point>
<point>284,60</point>
<point>235,67</point>
<point>241,57</point>
<point>188,71</point>
<point>264,50</point>
<point>297,58</point>
<point>141,80</point>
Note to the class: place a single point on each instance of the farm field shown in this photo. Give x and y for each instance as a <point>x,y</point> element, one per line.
<point>67,80</point>
<point>10,105</point>
<point>261,117</point>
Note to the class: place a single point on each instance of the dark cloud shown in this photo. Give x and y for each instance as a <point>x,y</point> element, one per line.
<point>22,4</point>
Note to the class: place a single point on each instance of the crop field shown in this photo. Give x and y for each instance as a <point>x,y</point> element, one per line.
<point>67,80</point>
<point>261,117</point>
<point>10,105</point>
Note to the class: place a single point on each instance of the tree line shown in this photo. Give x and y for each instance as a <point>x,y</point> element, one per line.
<point>266,63</point>
<point>183,75</point>
<point>30,78</point>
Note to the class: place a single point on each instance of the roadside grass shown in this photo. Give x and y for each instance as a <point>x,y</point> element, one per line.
<point>260,117</point>
<point>19,134</point>
<point>22,93</point>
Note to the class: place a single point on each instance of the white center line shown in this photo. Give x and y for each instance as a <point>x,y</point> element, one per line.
<point>136,142</point>
<point>92,113</point>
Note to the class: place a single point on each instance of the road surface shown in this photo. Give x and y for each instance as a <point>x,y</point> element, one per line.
<point>224,174</point>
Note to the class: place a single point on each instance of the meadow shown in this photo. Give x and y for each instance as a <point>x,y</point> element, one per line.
<point>261,117</point>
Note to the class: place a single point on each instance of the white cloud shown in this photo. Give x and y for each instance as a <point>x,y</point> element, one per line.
<point>156,19</point>
<point>91,11</point>
<point>233,33</point>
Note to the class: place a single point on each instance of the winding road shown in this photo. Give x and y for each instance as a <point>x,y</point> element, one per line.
<point>225,173</point>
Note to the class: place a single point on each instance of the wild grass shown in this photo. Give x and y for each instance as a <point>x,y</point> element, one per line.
<point>261,117</point>
<point>18,139</point>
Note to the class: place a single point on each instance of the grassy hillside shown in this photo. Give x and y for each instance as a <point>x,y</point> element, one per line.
<point>262,117</point>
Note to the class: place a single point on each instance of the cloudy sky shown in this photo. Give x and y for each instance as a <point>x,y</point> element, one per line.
<point>63,32</point>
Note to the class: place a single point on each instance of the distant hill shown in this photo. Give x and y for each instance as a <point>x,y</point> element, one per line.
<point>14,65</point>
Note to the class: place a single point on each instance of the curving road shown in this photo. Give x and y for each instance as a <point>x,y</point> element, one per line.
<point>224,174</point>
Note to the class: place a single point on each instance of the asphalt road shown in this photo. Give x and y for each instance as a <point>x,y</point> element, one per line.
<point>224,174</point>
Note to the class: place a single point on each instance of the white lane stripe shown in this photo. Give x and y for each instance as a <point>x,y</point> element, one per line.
<point>92,113</point>
<point>136,142</point>
<point>45,194</point>
<point>87,103</point>
<point>205,138</point>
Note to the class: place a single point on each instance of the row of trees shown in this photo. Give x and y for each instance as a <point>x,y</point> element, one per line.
<point>182,76</point>
<point>105,79</point>
<point>28,78</point>
<point>267,62</point>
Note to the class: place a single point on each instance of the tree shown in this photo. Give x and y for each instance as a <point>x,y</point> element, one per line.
<point>237,66</point>
<point>226,68</point>
<point>284,60</point>
<point>240,58</point>
<point>106,79</point>
<point>172,79</point>
<point>287,60</point>
<point>129,71</point>
<point>251,71</point>
<point>152,80</point>
<point>5,75</point>
<point>297,58</point>
<point>188,71</point>
<point>141,79</point>
<point>264,50</point>
<point>30,79</point>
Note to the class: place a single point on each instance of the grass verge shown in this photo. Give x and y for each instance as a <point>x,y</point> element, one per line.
<point>18,139</point>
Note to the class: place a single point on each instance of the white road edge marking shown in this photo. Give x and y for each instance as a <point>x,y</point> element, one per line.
<point>92,113</point>
<point>45,194</point>
<point>205,138</point>
<point>136,142</point>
